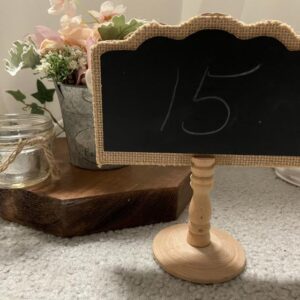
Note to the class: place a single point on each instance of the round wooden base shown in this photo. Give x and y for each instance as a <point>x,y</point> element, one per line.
<point>221,261</point>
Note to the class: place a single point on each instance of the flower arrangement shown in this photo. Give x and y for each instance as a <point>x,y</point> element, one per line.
<point>65,56</point>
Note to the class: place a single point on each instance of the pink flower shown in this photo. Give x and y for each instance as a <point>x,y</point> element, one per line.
<point>44,33</point>
<point>47,45</point>
<point>62,6</point>
<point>107,11</point>
<point>91,41</point>
<point>77,36</point>
<point>74,32</point>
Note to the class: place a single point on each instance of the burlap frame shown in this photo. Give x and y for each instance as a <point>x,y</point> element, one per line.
<point>275,29</point>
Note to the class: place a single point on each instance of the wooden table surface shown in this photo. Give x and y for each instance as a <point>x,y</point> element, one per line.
<point>84,201</point>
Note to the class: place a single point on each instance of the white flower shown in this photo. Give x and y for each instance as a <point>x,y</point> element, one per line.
<point>62,6</point>
<point>43,67</point>
<point>70,22</point>
<point>78,52</point>
<point>107,11</point>
<point>73,65</point>
<point>82,62</point>
<point>43,60</point>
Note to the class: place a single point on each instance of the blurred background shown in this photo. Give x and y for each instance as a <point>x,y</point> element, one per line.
<point>19,17</point>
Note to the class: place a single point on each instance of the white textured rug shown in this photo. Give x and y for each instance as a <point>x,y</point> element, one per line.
<point>261,211</point>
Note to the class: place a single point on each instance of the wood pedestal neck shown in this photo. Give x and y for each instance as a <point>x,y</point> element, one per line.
<point>195,252</point>
<point>200,207</point>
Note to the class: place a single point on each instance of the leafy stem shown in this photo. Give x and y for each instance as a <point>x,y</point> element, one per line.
<point>37,109</point>
<point>53,118</point>
<point>42,95</point>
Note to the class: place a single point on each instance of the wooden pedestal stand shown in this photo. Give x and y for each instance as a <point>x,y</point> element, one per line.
<point>194,252</point>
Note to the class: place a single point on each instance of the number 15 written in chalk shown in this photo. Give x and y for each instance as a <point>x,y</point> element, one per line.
<point>198,99</point>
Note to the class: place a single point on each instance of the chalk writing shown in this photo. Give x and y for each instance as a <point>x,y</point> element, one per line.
<point>197,99</point>
<point>235,75</point>
<point>171,103</point>
<point>183,126</point>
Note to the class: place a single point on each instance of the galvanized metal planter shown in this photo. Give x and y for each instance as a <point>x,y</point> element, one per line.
<point>77,112</point>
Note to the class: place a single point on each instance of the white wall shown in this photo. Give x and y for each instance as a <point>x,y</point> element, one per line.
<point>18,18</point>
<point>284,10</point>
<point>191,8</point>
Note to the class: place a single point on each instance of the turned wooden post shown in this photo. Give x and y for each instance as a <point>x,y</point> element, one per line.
<point>194,251</point>
<point>200,206</point>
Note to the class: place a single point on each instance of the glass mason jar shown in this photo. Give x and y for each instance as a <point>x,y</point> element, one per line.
<point>30,166</point>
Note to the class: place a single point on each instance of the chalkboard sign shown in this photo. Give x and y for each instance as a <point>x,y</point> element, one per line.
<point>212,86</point>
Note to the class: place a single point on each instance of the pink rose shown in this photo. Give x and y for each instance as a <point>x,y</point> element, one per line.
<point>75,32</point>
<point>76,36</point>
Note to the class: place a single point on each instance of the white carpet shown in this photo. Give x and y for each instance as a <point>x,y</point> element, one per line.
<point>261,211</point>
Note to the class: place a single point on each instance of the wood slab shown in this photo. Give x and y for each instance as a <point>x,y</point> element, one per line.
<point>85,202</point>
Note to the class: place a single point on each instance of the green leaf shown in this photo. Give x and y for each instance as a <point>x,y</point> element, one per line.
<point>118,29</point>
<point>30,57</point>
<point>22,55</point>
<point>43,94</point>
<point>18,95</point>
<point>36,109</point>
<point>14,64</point>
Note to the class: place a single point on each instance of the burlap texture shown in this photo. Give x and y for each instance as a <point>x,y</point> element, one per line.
<point>275,29</point>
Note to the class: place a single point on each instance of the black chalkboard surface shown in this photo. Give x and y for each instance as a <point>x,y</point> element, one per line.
<point>210,93</point>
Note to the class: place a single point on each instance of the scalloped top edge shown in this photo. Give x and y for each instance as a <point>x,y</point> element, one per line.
<point>270,28</point>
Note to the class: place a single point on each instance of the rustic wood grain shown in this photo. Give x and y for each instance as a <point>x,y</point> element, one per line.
<point>84,202</point>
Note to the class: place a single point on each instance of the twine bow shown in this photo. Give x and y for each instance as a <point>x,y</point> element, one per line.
<point>42,142</point>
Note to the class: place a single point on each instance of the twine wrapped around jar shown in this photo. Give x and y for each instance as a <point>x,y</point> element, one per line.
<point>40,141</point>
